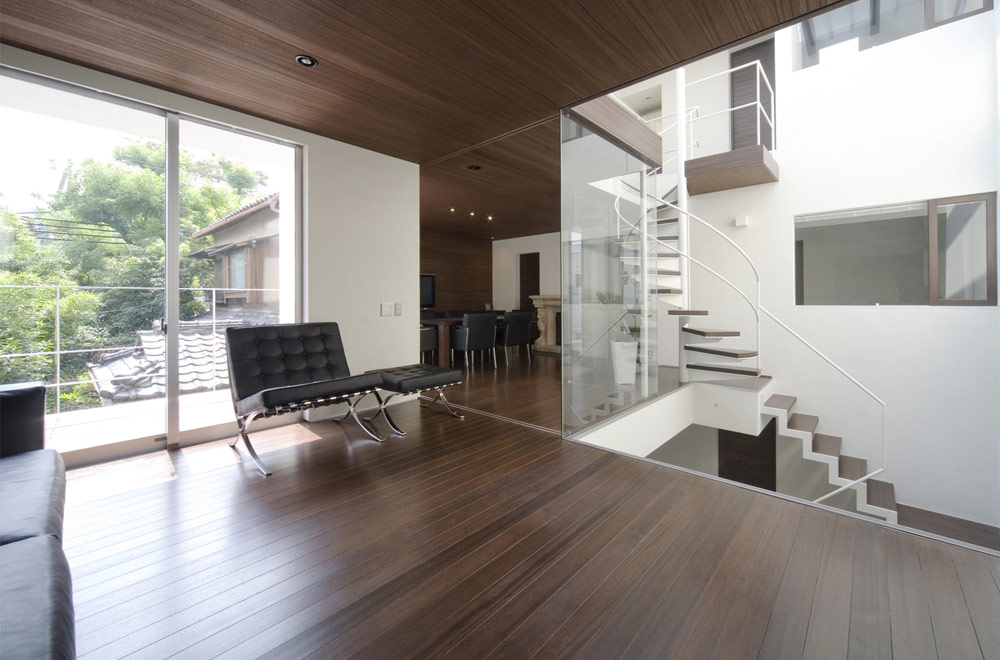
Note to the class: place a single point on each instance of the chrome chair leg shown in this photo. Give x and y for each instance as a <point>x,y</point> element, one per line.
<point>439,396</point>
<point>243,423</point>
<point>383,409</point>
<point>495,357</point>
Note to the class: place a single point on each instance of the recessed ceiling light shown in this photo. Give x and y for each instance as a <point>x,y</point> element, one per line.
<point>452,209</point>
<point>306,60</point>
<point>475,168</point>
<point>472,213</point>
<point>490,218</point>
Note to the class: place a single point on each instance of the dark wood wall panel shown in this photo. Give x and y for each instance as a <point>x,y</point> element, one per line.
<point>743,89</point>
<point>749,459</point>
<point>463,265</point>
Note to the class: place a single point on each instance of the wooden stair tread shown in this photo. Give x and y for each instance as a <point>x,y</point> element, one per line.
<point>709,332</point>
<point>852,468</point>
<point>665,289</point>
<point>725,369</point>
<point>800,422</point>
<point>882,494</point>
<point>668,238</point>
<point>827,444</point>
<point>687,312</point>
<point>782,401</point>
<point>740,353</point>
<point>664,271</point>
<point>666,221</point>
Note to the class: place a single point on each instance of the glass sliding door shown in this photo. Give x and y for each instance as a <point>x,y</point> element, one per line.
<point>82,239</point>
<point>237,255</point>
<point>130,238</point>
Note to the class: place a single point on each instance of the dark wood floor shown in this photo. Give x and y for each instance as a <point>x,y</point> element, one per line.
<point>528,392</point>
<point>485,539</point>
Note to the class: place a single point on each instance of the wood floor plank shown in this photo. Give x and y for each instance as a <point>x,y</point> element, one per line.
<point>484,538</point>
<point>785,636</point>
<point>622,555</point>
<point>912,634</point>
<point>342,601</point>
<point>829,622</point>
<point>983,597</point>
<point>730,618</point>
<point>449,618</point>
<point>222,608</point>
<point>871,631</point>
<point>289,555</point>
<point>659,602</point>
<point>954,634</point>
<point>659,562</point>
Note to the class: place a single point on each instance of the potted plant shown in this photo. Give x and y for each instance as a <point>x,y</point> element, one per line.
<point>624,343</point>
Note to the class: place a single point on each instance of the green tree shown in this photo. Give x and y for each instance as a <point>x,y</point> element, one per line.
<point>118,208</point>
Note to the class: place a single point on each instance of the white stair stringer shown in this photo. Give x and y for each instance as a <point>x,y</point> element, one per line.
<point>833,464</point>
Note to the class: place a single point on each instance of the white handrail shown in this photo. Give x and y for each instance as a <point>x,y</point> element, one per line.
<point>850,485</point>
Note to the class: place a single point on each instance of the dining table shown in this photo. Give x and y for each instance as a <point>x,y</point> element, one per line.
<point>444,337</point>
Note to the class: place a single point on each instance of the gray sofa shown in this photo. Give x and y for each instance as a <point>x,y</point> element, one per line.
<point>36,593</point>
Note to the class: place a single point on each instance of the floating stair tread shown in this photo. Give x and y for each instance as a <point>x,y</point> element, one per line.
<point>852,468</point>
<point>666,221</point>
<point>781,401</point>
<point>800,422</point>
<point>739,353</point>
<point>687,312</point>
<point>708,332</point>
<point>725,369</point>
<point>882,494</point>
<point>669,238</point>
<point>827,444</point>
<point>664,271</point>
<point>751,384</point>
<point>665,289</point>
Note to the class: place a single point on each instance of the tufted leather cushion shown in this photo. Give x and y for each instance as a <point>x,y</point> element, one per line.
<point>283,396</point>
<point>417,377</point>
<point>271,356</point>
<point>36,608</point>
<point>32,492</point>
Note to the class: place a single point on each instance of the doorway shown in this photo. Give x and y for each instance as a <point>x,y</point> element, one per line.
<point>528,280</point>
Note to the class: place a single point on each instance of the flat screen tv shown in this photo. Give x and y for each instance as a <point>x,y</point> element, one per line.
<point>426,291</point>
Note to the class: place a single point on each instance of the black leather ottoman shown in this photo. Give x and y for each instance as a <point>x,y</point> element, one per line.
<point>413,379</point>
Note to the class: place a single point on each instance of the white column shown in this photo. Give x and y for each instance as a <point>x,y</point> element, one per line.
<point>682,220</point>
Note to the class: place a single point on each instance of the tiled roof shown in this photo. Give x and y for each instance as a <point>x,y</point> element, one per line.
<point>239,214</point>
<point>138,373</point>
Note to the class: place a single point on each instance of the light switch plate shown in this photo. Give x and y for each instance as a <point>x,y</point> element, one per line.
<point>387,309</point>
<point>399,309</point>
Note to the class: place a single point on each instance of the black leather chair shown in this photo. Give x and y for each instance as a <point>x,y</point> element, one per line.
<point>428,341</point>
<point>515,330</point>
<point>277,369</point>
<point>477,333</point>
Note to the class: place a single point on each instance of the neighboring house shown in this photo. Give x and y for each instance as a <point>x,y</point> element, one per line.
<point>874,237</point>
<point>245,252</point>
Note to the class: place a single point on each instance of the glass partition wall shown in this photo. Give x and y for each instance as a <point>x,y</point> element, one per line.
<point>609,265</point>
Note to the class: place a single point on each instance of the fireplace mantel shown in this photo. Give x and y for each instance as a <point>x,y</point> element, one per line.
<point>548,307</point>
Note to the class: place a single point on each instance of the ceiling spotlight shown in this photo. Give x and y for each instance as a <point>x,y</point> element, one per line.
<point>306,60</point>
<point>472,213</point>
<point>475,168</point>
<point>452,209</point>
<point>490,218</point>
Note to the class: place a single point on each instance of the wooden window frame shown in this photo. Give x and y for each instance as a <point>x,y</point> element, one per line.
<point>991,249</point>
<point>929,14</point>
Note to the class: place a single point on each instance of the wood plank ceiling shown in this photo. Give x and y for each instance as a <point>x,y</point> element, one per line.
<point>414,79</point>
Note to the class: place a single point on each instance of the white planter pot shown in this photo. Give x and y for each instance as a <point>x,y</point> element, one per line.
<point>623,355</point>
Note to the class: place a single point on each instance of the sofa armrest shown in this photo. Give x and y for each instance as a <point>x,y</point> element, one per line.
<point>22,418</point>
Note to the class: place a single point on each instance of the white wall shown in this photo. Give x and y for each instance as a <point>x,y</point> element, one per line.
<point>910,120</point>
<point>506,267</point>
<point>360,220</point>
<point>695,448</point>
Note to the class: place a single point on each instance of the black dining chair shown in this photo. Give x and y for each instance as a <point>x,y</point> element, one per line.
<point>428,341</point>
<point>477,333</point>
<point>515,330</point>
